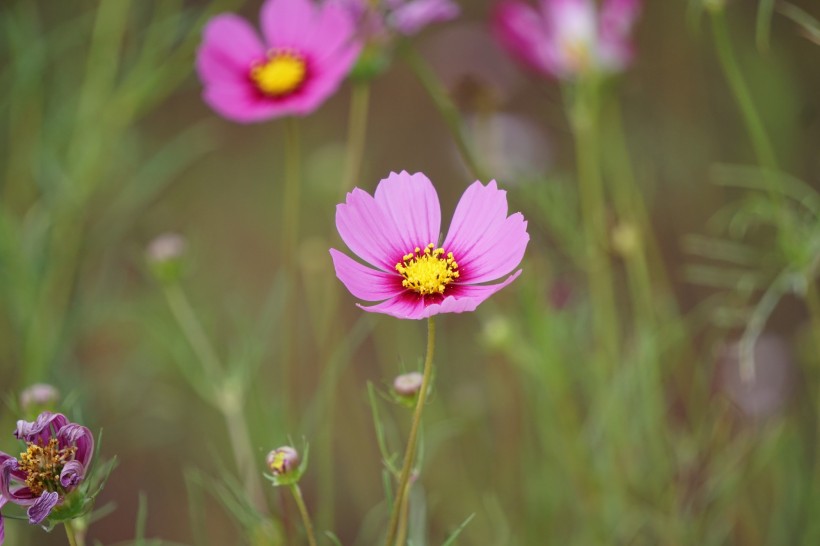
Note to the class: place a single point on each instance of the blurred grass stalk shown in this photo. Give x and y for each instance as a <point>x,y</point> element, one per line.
<point>63,163</point>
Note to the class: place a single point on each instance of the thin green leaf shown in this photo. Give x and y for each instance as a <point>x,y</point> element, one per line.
<point>452,538</point>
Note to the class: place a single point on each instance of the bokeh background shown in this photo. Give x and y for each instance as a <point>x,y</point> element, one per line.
<point>106,144</point>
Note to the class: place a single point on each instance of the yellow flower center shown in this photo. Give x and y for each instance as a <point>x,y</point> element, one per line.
<point>280,75</point>
<point>427,271</point>
<point>43,464</point>
<point>278,463</point>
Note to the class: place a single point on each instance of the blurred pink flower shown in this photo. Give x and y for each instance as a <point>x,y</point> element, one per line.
<point>307,52</point>
<point>396,230</point>
<point>566,38</point>
<point>405,17</point>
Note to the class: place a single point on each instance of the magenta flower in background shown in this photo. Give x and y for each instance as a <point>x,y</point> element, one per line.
<point>54,463</point>
<point>396,231</point>
<point>567,38</point>
<point>404,17</point>
<point>306,53</point>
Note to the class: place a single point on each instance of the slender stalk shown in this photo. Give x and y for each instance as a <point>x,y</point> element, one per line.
<point>404,518</point>
<point>72,537</point>
<point>356,134</point>
<point>290,235</point>
<point>227,399</point>
<point>300,502</point>
<point>754,123</point>
<point>410,452</point>
<point>194,332</point>
<point>446,108</point>
<point>290,202</point>
<point>584,117</point>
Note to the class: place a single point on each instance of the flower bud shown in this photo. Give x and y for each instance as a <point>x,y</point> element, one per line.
<point>408,384</point>
<point>39,395</point>
<point>283,461</point>
<point>164,254</point>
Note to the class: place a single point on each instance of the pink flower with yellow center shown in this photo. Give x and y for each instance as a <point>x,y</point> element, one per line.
<point>396,231</point>
<point>306,53</point>
<point>567,38</point>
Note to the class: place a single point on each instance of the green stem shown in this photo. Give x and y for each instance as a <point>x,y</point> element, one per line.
<point>290,234</point>
<point>69,531</point>
<point>194,332</point>
<point>404,517</point>
<point>300,502</point>
<point>227,399</point>
<point>584,119</point>
<point>410,452</point>
<point>754,124</point>
<point>356,134</point>
<point>446,108</point>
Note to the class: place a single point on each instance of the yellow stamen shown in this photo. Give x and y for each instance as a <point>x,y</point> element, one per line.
<point>282,74</point>
<point>43,464</point>
<point>427,271</point>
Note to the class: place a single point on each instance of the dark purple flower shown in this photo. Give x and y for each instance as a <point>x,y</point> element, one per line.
<point>54,463</point>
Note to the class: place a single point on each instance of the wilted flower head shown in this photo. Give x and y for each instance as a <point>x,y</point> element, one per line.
<point>396,231</point>
<point>408,384</point>
<point>54,463</point>
<point>568,38</point>
<point>306,53</point>
<point>38,395</point>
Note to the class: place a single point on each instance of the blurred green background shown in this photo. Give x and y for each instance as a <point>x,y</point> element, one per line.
<point>106,144</point>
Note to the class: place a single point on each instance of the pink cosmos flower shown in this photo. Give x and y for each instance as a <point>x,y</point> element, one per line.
<point>396,231</point>
<point>566,38</point>
<point>306,53</point>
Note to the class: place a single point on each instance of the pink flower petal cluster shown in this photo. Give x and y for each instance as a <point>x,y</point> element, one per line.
<point>567,38</point>
<point>396,232</point>
<point>306,53</point>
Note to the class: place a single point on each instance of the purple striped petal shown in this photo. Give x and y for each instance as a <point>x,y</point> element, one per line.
<point>364,282</point>
<point>41,428</point>
<point>72,474</point>
<point>2,525</point>
<point>40,510</point>
<point>411,201</point>
<point>80,436</point>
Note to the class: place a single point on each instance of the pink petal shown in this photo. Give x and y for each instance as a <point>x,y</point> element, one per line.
<point>2,525</point>
<point>496,254</point>
<point>466,298</point>
<point>404,306</point>
<point>363,282</point>
<point>334,31</point>
<point>480,213</point>
<point>412,203</point>
<point>325,80</point>
<point>413,16</point>
<point>287,23</point>
<point>242,103</point>
<point>521,30</point>
<point>229,47</point>
<point>368,231</point>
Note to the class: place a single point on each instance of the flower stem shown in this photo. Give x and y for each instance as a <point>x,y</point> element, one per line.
<point>227,400</point>
<point>404,517</point>
<point>410,452</point>
<point>754,124</point>
<point>446,108</point>
<point>584,118</point>
<point>300,502</point>
<point>290,234</point>
<point>69,531</point>
<point>356,134</point>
